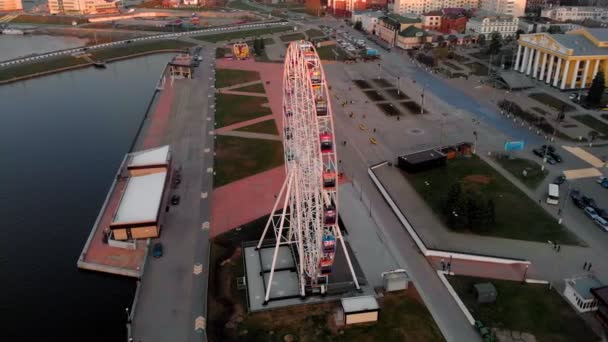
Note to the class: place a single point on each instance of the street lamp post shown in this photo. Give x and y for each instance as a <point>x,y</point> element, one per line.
<point>398,85</point>
<point>422,101</point>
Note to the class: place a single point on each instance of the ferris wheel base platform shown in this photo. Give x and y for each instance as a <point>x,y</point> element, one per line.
<point>285,290</point>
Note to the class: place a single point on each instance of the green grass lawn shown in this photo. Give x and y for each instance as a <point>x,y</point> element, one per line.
<point>592,122</point>
<point>214,38</point>
<point>238,4</point>
<point>327,52</point>
<point>237,158</point>
<point>292,36</point>
<point>534,176</point>
<point>401,318</point>
<point>314,33</point>
<point>528,308</point>
<point>254,88</point>
<point>268,127</point>
<point>135,48</point>
<point>231,109</point>
<point>230,77</point>
<point>36,67</point>
<point>551,101</point>
<point>516,215</point>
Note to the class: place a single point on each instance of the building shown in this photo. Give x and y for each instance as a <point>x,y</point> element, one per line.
<point>516,8</point>
<point>347,7</point>
<point>601,297</point>
<point>421,161</point>
<point>488,23</point>
<point>423,6</point>
<point>578,292</point>
<point>575,13</point>
<point>565,61</point>
<point>413,38</point>
<point>83,6</point>
<point>362,309</point>
<point>453,23</point>
<point>10,5</point>
<point>137,215</point>
<point>545,25</point>
<point>431,20</point>
<point>389,26</point>
<point>369,19</point>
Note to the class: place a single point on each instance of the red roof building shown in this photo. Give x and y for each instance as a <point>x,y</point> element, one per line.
<point>453,23</point>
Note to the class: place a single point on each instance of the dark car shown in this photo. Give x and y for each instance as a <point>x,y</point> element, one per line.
<point>549,148</point>
<point>589,202</point>
<point>157,250</point>
<point>175,200</point>
<point>559,180</point>
<point>538,152</point>
<point>550,160</point>
<point>555,156</point>
<point>575,195</point>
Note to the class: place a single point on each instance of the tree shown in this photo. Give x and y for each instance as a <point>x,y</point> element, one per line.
<point>518,33</point>
<point>256,46</point>
<point>452,39</point>
<point>495,44</point>
<point>481,40</point>
<point>262,44</point>
<point>358,25</point>
<point>440,40</point>
<point>596,91</point>
<point>554,29</point>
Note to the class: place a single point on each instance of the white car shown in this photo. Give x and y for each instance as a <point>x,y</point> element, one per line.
<point>602,223</point>
<point>590,212</point>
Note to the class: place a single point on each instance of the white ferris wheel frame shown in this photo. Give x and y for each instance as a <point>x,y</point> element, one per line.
<point>303,196</point>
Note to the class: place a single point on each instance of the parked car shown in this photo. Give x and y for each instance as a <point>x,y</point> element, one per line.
<point>603,181</point>
<point>590,212</point>
<point>600,221</point>
<point>575,195</point>
<point>549,148</point>
<point>157,250</point>
<point>538,152</point>
<point>559,180</point>
<point>589,202</point>
<point>555,156</point>
<point>550,160</point>
<point>175,199</point>
<point>602,213</point>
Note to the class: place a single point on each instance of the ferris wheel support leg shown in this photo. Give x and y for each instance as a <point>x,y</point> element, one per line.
<point>278,242</point>
<point>350,264</point>
<point>274,208</point>
<point>300,247</point>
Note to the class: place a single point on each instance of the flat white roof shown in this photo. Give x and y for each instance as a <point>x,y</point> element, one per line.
<point>141,199</point>
<point>358,304</point>
<point>153,156</point>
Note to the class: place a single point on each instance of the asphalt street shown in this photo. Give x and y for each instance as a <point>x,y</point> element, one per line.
<point>174,287</point>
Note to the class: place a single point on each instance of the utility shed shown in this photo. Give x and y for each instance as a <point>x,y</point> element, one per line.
<point>362,309</point>
<point>138,211</point>
<point>578,292</point>
<point>421,161</point>
<point>149,161</point>
<point>395,280</point>
<point>485,292</point>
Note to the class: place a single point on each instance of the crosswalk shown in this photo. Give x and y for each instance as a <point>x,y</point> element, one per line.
<point>7,18</point>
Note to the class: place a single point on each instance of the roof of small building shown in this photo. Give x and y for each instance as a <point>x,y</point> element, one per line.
<point>484,288</point>
<point>395,19</point>
<point>583,285</point>
<point>154,156</point>
<point>140,202</point>
<point>359,304</point>
<point>412,31</point>
<point>600,34</point>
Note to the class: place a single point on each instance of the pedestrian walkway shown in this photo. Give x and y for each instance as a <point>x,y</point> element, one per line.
<point>8,18</point>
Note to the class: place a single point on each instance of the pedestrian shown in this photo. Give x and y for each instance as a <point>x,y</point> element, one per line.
<point>374,130</point>
<point>585,266</point>
<point>559,211</point>
<point>589,267</point>
<point>559,247</point>
<point>449,266</point>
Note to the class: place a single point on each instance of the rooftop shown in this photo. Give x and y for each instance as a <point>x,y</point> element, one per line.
<point>141,199</point>
<point>395,19</point>
<point>600,34</point>
<point>583,285</point>
<point>359,304</point>
<point>433,13</point>
<point>412,31</point>
<point>422,156</point>
<point>154,156</point>
<point>579,44</point>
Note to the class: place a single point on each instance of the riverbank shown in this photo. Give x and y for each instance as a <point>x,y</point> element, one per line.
<point>66,63</point>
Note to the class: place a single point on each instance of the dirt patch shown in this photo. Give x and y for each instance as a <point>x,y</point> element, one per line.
<point>478,179</point>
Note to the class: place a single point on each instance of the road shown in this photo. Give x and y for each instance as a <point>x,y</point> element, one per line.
<point>172,294</point>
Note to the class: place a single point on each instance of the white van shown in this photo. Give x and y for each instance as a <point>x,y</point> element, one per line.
<point>553,197</point>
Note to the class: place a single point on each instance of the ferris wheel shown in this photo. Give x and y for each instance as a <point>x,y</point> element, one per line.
<point>308,221</point>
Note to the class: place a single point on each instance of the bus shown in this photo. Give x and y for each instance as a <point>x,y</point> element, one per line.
<point>553,196</point>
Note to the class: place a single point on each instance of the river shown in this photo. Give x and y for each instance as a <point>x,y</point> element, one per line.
<point>62,137</point>
<point>16,45</point>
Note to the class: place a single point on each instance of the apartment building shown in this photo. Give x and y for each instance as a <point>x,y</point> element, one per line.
<point>82,6</point>
<point>423,6</point>
<point>516,8</point>
<point>10,5</point>
<point>487,23</point>
<point>575,13</point>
